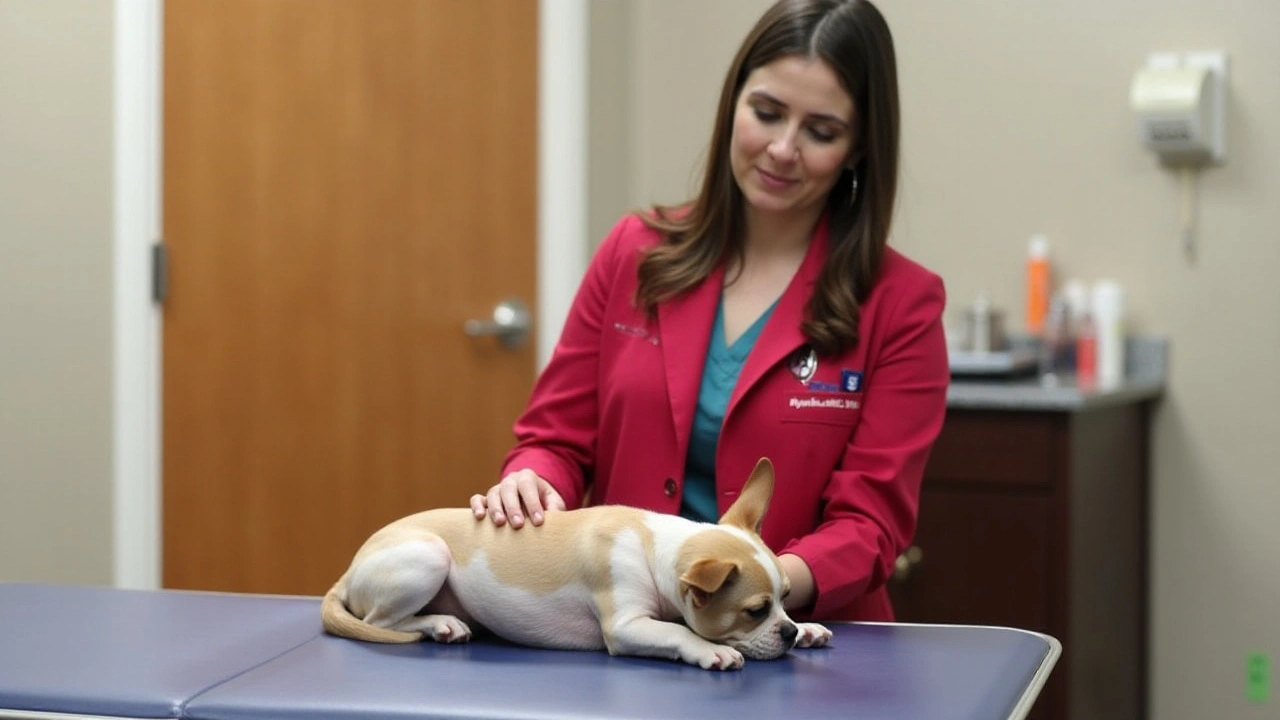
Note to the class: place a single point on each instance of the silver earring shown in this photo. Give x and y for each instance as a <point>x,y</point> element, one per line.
<point>853,196</point>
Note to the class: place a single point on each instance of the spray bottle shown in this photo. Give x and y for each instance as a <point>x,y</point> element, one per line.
<point>1039,283</point>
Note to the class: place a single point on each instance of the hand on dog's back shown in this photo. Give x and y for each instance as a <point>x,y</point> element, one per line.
<point>520,495</point>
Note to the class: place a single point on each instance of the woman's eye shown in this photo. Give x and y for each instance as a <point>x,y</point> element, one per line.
<point>764,115</point>
<point>821,135</point>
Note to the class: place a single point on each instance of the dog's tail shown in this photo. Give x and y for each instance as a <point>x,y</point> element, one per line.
<point>338,620</point>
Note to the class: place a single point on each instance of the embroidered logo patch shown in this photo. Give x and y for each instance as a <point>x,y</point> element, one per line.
<point>851,381</point>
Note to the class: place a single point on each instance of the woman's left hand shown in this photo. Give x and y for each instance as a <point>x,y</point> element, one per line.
<point>519,495</point>
<point>802,585</point>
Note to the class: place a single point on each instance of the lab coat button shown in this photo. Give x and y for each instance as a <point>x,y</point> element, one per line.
<point>669,487</point>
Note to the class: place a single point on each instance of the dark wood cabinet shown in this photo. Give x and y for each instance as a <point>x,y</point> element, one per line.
<point>1038,519</point>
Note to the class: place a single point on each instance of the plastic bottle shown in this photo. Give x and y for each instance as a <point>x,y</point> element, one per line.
<point>1086,353</point>
<point>1076,294</point>
<point>1053,342</point>
<point>1038,284</point>
<point>980,329</point>
<point>1084,335</point>
<point>1107,306</point>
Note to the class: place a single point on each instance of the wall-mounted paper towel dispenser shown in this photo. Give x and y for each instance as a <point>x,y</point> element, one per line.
<point>1180,103</point>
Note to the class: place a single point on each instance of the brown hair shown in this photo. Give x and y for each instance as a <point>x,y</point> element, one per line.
<point>852,38</point>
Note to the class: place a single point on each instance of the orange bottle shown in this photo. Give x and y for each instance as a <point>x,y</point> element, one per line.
<point>1038,284</point>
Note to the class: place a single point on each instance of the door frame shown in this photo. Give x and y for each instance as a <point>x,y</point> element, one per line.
<point>137,203</point>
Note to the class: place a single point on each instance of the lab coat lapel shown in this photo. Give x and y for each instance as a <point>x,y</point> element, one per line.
<point>781,334</point>
<point>684,326</point>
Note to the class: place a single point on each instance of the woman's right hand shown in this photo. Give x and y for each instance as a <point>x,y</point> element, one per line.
<point>521,494</point>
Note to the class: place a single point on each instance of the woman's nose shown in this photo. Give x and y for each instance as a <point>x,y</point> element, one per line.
<point>784,148</point>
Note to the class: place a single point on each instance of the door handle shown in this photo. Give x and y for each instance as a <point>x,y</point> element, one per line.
<point>510,324</point>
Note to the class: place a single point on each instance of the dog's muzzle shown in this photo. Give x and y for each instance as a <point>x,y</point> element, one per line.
<point>770,644</point>
<point>789,632</point>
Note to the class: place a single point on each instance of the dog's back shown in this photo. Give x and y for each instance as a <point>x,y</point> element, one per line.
<point>538,585</point>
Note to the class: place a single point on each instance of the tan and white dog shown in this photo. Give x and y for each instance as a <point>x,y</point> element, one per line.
<point>630,581</point>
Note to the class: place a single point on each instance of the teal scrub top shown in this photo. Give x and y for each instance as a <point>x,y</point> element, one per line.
<point>719,374</point>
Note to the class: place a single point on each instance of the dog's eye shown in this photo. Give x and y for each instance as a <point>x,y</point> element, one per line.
<point>759,612</point>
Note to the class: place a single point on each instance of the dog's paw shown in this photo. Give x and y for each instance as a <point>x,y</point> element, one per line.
<point>448,629</point>
<point>812,635</point>
<point>715,657</point>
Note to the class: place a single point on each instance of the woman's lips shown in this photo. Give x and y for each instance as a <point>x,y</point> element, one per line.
<point>774,182</point>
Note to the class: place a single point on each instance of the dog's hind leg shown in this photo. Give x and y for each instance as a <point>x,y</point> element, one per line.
<point>390,586</point>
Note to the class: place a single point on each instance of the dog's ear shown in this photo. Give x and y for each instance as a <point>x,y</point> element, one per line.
<point>705,577</point>
<point>748,510</point>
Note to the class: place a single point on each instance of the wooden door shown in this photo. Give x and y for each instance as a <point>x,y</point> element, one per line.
<point>346,182</point>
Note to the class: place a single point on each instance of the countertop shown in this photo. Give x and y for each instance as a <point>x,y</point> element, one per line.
<point>1145,377</point>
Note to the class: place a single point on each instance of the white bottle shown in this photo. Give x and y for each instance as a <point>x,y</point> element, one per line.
<point>1076,293</point>
<point>1107,306</point>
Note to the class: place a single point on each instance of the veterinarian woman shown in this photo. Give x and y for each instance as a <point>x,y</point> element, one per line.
<point>765,317</point>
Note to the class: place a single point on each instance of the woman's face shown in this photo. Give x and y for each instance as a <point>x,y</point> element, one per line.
<point>793,134</point>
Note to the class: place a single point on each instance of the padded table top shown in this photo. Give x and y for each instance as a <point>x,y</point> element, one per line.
<point>167,654</point>
<point>104,651</point>
<point>870,671</point>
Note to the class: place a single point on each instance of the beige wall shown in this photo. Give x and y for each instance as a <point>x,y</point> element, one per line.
<point>1015,122</point>
<point>609,128</point>
<point>55,290</point>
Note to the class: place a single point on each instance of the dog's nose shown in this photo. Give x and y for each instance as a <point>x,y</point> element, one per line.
<point>788,631</point>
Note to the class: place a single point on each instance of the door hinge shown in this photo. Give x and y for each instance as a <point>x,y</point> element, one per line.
<point>159,272</point>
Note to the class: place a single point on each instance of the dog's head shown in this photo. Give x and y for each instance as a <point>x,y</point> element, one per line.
<point>731,585</point>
